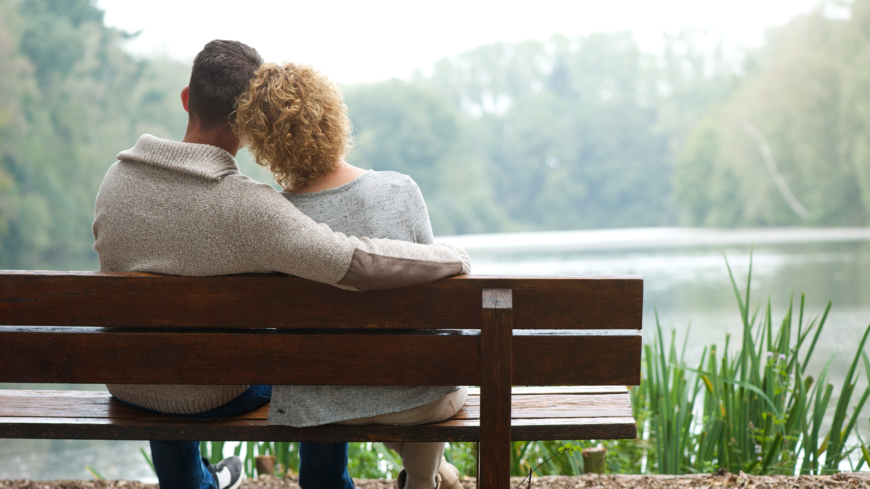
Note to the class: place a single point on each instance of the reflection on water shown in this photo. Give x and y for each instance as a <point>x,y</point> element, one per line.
<point>67,459</point>
<point>687,284</point>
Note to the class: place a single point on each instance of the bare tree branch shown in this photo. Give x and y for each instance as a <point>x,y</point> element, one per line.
<point>770,164</point>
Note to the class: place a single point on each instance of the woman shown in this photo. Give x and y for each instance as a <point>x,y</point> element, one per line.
<point>296,125</point>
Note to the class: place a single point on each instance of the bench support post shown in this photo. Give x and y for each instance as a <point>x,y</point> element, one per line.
<point>495,389</point>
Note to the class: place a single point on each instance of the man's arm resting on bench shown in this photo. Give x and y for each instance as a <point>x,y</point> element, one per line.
<point>282,238</point>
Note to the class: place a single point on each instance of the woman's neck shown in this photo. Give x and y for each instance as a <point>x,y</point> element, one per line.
<point>342,175</point>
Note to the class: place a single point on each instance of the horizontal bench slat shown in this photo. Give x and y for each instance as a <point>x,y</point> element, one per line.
<point>95,404</point>
<point>558,389</point>
<point>556,406</point>
<point>451,431</point>
<point>278,301</point>
<point>94,415</point>
<point>573,358</point>
<point>575,429</point>
<point>93,356</point>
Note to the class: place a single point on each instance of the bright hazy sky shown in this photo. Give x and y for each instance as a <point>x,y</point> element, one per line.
<point>358,41</point>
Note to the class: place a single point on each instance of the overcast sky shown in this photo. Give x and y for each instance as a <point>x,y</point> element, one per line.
<point>358,41</point>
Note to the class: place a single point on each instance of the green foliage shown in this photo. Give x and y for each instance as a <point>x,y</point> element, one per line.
<point>463,456</point>
<point>568,133</point>
<point>805,93</point>
<point>754,409</point>
<point>94,473</point>
<point>413,130</point>
<point>567,450</point>
<point>565,130</point>
<point>365,460</point>
<point>148,460</point>
<point>563,134</point>
<point>372,461</point>
<point>70,99</point>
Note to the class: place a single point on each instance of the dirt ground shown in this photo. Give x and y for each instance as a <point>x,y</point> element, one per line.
<point>844,480</point>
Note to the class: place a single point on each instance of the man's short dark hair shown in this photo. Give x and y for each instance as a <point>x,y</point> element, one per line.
<point>221,72</point>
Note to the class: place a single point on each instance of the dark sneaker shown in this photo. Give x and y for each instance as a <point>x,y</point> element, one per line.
<point>227,473</point>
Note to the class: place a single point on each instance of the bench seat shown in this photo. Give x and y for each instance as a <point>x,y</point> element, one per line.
<point>538,413</point>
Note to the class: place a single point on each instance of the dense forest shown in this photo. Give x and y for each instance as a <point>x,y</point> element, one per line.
<point>568,133</point>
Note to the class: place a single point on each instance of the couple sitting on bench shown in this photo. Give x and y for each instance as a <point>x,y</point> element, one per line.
<point>183,208</point>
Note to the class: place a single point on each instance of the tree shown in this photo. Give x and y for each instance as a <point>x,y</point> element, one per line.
<point>790,142</point>
<point>413,130</point>
<point>76,98</point>
<point>565,130</point>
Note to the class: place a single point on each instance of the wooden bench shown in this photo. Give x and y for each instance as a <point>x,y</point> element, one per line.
<point>492,332</point>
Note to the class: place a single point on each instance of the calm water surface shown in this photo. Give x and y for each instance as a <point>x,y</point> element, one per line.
<point>684,278</point>
<point>690,286</point>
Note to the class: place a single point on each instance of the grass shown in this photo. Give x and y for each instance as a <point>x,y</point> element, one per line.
<point>753,408</point>
<point>748,405</point>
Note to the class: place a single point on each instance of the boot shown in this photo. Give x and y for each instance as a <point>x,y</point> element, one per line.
<point>448,476</point>
<point>403,476</point>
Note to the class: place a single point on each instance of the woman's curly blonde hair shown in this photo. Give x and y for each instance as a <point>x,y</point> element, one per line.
<point>295,123</point>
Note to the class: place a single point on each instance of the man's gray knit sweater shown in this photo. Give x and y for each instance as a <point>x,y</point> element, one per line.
<point>184,209</point>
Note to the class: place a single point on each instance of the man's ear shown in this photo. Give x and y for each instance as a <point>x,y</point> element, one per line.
<point>185,98</point>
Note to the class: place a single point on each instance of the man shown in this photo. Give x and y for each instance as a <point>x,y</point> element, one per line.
<point>182,208</point>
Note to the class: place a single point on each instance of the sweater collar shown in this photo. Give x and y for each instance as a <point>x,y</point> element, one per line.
<point>201,160</point>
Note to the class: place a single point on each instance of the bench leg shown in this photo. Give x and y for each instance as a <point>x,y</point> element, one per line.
<point>495,394</point>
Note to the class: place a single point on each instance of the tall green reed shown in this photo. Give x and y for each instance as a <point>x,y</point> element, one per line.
<point>755,408</point>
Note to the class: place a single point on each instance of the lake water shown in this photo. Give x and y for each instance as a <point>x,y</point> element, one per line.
<point>684,277</point>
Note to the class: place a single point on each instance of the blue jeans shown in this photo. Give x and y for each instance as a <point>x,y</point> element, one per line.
<point>179,466</point>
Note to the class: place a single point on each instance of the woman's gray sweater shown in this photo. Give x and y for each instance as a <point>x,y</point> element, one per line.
<point>376,205</point>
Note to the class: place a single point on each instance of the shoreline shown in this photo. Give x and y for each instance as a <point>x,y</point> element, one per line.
<point>649,238</point>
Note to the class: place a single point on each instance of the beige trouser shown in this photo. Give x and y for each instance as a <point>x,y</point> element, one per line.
<point>420,459</point>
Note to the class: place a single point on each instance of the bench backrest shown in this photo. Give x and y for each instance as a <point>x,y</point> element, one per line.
<point>89,327</point>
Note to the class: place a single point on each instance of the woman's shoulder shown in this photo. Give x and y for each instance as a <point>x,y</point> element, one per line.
<point>400,193</point>
<point>389,178</point>
<point>388,181</point>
